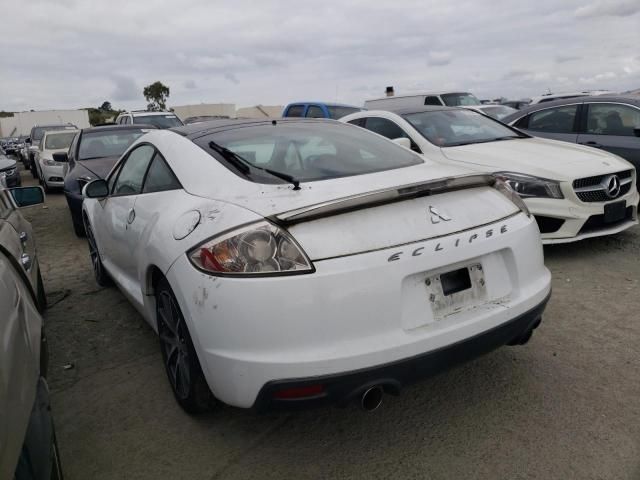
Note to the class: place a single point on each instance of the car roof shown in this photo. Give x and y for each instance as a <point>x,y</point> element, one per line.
<point>630,99</point>
<point>106,128</point>
<point>144,113</point>
<point>418,109</point>
<point>327,104</point>
<point>423,94</point>
<point>196,130</point>
<point>60,132</point>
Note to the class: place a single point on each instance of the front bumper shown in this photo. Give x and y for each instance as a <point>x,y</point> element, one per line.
<point>355,312</point>
<point>578,220</point>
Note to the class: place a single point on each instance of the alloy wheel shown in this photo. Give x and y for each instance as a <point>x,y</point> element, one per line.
<point>173,339</point>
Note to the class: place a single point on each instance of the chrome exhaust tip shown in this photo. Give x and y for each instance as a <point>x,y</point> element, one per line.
<point>371,399</point>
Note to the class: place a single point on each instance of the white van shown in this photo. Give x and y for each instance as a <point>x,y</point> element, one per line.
<point>450,99</point>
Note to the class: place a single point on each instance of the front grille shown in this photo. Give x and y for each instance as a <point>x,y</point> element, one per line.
<point>599,194</point>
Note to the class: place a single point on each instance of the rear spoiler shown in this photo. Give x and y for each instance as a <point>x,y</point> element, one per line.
<point>381,197</point>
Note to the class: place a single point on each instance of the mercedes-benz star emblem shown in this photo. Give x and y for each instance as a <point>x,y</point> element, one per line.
<point>611,185</point>
<point>436,216</point>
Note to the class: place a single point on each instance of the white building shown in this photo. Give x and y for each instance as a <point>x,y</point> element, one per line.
<point>202,109</point>
<point>22,122</point>
<point>260,111</point>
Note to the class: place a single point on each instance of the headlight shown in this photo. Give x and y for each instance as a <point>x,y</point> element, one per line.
<point>527,186</point>
<point>261,249</point>
<point>51,163</point>
<point>9,172</point>
<point>504,188</point>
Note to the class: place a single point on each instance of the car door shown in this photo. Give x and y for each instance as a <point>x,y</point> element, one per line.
<point>16,236</point>
<point>556,123</point>
<point>116,242</point>
<point>610,126</point>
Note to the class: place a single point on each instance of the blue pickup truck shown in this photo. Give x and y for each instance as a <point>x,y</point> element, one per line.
<point>318,110</point>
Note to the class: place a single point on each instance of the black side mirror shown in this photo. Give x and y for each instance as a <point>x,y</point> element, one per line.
<point>96,189</point>
<point>27,196</point>
<point>60,157</point>
<point>636,131</point>
<point>27,140</point>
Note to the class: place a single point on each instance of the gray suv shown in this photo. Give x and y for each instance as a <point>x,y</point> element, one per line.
<point>611,123</point>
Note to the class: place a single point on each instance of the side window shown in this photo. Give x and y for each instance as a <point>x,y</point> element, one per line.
<point>295,111</point>
<point>384,127</point>
<point>554,120</point>
<point>432,100</point>
<point>160,177</point>
<point>314,112</point>
<point>523,122</point>
<point>132,173</point>
<point>612,119</point>
<point>358,121</point>
<point>126,120</point>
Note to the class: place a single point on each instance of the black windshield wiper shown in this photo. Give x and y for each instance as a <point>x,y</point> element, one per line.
<point>245,166</point>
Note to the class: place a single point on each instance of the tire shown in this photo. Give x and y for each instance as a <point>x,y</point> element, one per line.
<point>102,277</point>
<point>78,227</point>
<point>34,170</point>
<point>41,296</point>
<point>178,354</point>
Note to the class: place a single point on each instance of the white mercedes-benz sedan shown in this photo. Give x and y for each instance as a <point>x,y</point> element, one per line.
<point>574,192</point>
<point>299,262</point>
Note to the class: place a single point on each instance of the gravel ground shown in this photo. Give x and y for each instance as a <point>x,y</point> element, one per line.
<point>566,405</point>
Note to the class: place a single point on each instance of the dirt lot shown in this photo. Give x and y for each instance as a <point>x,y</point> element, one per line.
<point>566,405</point>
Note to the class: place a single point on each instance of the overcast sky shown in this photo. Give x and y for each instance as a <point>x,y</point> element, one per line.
<point>74,53</point>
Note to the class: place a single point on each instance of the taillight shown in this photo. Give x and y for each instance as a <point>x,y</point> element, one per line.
<point>261,249</point>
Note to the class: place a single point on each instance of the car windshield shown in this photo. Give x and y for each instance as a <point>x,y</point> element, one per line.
<point>498,111</point>
<point>459,99</point>
<point>450,128</point>
<point>110,143</point>
<point>38,132</point>
<point>160,121</point>
<point>59,141</point>
<point>309,151</point>
<point>337,112</point>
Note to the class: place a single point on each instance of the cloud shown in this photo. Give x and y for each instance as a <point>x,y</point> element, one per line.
<point>274,52</point>
<point>616,8</point>
<point>438,59</point>
<point>598,78</point>
<point>567,58</point>
<point>126,89</point>
<point>231,77</point>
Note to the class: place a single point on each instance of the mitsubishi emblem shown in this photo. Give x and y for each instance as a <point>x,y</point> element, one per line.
<point>436,216</point>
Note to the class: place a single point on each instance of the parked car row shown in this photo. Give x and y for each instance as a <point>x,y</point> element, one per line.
<point>387,246</point>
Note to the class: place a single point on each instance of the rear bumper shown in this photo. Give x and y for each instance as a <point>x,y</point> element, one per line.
<point>341,389</point>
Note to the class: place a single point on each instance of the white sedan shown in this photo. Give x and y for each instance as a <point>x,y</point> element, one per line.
<point>299,262</point>
<point>50,172</point>
<point>574,192</point>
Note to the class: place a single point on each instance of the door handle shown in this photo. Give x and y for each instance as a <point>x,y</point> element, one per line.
<point>592,144</point>
<point>131,217</point>
<point>23,237</point>
<point>25,260</point>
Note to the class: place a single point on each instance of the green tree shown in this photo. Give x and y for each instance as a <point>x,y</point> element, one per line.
<point>156,94</point>
<point>105,107</point>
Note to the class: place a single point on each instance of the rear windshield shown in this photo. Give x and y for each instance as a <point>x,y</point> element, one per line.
<point>160,121</point>
<point>459,99</point>
<point>309,151</point>
<point>110,143</point>
<point>59,141</point>
<point>38,132</point>
<point>455,127</point>
<point>339,112</point>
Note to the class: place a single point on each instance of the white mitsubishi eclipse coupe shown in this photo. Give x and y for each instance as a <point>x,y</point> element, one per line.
<point>301,262</point>
<point>574,192</point>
